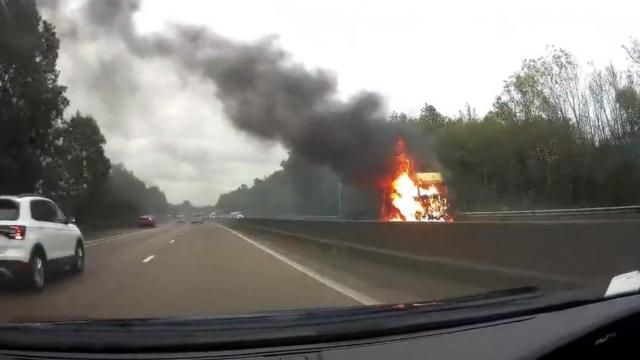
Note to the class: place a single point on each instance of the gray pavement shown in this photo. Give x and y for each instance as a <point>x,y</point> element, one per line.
<point>210,269</point>
<point>185,270</point>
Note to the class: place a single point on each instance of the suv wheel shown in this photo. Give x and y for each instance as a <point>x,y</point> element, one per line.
<point>79,259</point>
<point>36,275</point>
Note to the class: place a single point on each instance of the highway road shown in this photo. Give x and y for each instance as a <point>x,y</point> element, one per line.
<point>241,267</point>
<point>209,269</point>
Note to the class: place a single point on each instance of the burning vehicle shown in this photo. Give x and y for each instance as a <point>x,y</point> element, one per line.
<point>412,196</point>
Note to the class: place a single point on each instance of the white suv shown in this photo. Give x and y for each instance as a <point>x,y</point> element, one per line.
<point>35,234</point>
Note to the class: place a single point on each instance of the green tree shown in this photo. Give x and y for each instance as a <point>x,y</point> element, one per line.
<point>634,51</point>
<point>31,100</point>
<point>79,167</point>
<point>629,103</point>
<point>430,119</point>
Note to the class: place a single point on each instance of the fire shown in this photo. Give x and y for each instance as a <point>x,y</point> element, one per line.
<point>412,196</point>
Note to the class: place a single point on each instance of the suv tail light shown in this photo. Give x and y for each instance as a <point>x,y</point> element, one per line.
<point>14,232</point>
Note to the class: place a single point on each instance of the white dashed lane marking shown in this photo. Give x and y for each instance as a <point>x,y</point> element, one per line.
<point>148,258</point>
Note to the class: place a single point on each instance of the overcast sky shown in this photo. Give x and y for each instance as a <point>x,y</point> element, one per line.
<point>173,132</point>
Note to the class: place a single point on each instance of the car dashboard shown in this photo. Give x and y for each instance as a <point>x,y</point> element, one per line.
<point>604,329</point>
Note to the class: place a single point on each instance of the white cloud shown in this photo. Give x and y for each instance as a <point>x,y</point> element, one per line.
<point>411,51</point>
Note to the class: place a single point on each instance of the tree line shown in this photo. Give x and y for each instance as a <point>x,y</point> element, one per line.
<point>42,150</point>
<point>556,136</point>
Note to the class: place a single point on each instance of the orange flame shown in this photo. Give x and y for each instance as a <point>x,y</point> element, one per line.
<point>407,198</point>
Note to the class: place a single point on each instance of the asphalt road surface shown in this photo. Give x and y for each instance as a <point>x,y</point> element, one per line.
<point>209,269</point>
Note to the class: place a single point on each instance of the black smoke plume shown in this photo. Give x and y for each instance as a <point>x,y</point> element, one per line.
<point>262,91</point>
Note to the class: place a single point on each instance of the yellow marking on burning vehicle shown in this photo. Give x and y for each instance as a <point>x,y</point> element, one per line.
<point>429,177</point>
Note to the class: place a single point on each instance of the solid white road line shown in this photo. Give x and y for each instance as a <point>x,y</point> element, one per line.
<point>101,242</point>
<point>108,239</point>
<point>355,295</point>
<point>148,258</point>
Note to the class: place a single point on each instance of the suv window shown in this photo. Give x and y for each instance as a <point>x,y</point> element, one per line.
<point>62,218</point>
<point>9,209</point>
<point>43,210</point>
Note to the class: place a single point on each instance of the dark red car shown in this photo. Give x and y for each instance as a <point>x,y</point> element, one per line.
<point>146,221</point>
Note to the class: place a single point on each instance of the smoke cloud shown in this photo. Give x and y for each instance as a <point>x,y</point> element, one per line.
<point>261,91</point>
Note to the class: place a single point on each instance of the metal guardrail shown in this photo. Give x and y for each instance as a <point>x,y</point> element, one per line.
<point>632,209</point>
<point>307,217</point>
<point>594,211</point>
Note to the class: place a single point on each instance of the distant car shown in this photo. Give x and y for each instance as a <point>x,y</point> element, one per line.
<point>146,221</point>
<point>34,235</point>
<point>180,219</point>
<point>197,218</point>
<point>236,215</point>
